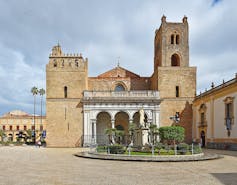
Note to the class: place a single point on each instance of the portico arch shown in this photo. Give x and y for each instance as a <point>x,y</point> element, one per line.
<point>136,118</point>
<point>103,121</point>
<point>122,120</point>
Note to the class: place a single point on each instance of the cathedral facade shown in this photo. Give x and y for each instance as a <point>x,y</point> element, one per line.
<point>80,108</point>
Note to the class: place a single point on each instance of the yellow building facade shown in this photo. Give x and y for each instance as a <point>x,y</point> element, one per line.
<point>215,116</point>
<point>18,122</point>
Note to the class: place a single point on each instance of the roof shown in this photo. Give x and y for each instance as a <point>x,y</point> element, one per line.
<point>18,114</point>
<point>232,82</point>
<point>118,72</point>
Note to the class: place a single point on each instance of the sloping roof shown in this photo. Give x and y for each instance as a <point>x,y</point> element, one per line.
<point>118,72</point>
<point>16,113</point>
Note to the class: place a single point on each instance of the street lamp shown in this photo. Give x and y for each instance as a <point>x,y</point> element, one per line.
<point>175,118</point>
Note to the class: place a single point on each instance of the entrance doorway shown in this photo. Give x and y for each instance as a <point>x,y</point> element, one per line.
<point>203,142</point>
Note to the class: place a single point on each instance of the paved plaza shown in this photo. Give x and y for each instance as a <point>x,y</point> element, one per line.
<point>58,166</point>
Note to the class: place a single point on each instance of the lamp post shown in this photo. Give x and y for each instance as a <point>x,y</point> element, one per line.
<point>34,91</point>
<point>175,118</point>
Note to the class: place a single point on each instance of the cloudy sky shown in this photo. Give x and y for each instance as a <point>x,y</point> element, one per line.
<point>103,31</point>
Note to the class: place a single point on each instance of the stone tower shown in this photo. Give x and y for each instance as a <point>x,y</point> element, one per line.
<point>66,79</point>
<point>173,77</point>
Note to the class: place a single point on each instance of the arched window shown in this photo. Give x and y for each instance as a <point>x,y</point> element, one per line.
<point>65,92</point>
<point>76,63</point>
<point>172,39</point>
<point>175,61</point>
<point>177,39</point>
<point>119,87</point>
<point>55,63</point>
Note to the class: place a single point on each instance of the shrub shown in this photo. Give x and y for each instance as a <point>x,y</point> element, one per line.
<point>182,148</point>
<point>171,152</point>
<point>101,148</point>
<point>172,134</point>
<point>163,151</point>
<point>159,146</point>
<point>146,148</point>
<point>137,149</point>
<point>197,149</point>
<point>116,149</point>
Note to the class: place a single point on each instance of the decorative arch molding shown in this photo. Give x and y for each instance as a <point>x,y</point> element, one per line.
<point>229,99</point>
<point>123,111</point>
<point>96,113</point>
<point>117,83</point>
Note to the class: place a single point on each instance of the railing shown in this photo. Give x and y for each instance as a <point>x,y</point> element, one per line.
<point>130,94</point>
<point>104,140</point>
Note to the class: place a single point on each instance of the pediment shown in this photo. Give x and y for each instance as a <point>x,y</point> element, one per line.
<point>118,72</point>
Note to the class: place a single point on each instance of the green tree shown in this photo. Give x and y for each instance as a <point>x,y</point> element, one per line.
<point>2,134</point>
<point>119,135</point>
<point>29,134</point>
<point>172,134</point>
<point>110,132</point>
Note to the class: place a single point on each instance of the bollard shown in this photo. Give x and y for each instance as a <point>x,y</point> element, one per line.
<point>192,148</point>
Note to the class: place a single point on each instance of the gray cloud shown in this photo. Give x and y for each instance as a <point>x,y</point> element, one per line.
<point>103,31</point>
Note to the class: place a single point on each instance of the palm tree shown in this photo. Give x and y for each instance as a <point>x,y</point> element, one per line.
<point>110,132</point>
<point>34,91</point>
<point>2,134</point>
<point>119,134</point>
<point>41,92</point>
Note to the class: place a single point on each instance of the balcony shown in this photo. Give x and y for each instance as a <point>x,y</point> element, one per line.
<point>121,96</point>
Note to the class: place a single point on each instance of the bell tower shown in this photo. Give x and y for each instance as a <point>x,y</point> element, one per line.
<point>171,44</point>
<point>175,79</point>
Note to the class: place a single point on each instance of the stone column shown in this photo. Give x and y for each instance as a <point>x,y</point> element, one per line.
<point>112,123</point>
<point>93,130</point>
<point>86,127</point>
<point>113,126</point>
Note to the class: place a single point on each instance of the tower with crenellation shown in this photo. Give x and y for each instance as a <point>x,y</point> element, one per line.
<point>66,79</point>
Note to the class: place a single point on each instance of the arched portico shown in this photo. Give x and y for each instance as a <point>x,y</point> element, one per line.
<point>117,112</point>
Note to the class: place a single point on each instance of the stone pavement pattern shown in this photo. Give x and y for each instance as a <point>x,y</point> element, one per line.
<point>58,166</point>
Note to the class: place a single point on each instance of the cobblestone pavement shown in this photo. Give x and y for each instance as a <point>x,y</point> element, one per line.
<point>58,166</point>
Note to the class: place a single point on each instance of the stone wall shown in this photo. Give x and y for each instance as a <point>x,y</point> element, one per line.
<point>108,84</point>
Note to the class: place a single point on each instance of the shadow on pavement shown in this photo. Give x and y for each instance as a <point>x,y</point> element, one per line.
<point>221,152</point>
<point>226,178</point>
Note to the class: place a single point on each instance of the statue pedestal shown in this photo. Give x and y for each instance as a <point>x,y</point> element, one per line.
<point>144,136</point>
